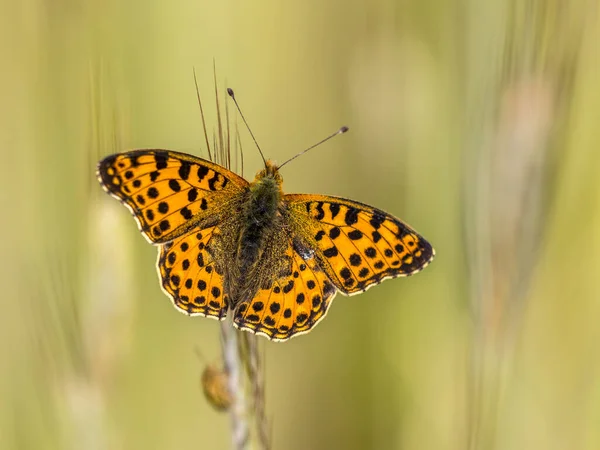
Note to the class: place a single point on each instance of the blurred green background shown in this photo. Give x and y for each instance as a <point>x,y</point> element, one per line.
<point>476,122</point>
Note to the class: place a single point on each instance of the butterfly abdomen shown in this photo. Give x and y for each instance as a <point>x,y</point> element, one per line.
<point>259,215</point>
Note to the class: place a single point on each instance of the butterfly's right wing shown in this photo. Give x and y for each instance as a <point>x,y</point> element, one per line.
<point>168,193</point>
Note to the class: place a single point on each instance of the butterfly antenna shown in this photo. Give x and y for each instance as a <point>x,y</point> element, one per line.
<point>340,131</point>
<point>232,95</point>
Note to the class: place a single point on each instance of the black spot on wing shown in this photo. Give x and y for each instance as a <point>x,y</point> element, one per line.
<point>351,216</point>
<point>320,212</point>
<point>335,209</point>
<point>186,213</point>
<point>258,306</point>
<point>184,170</point>
<point>355,235</point>
<point>163,207</point>
<point>174,185</point>
<point>172,258</point>
<point>269,321</point>
<point>212,182</point>
<point>334,232</point>
<point>153,192</point>
<point>331,252</point>
<point>161,160</point>
<point>192,194</point>
<point>355,259</point>
<point>202,172</point>
<point>377,219</point>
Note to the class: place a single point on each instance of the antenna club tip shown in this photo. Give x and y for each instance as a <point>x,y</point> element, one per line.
<point>343,130</point>
<point>230,92</point>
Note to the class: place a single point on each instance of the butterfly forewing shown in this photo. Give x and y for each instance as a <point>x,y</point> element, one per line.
<point>168,193</point>
<point>357,245</point>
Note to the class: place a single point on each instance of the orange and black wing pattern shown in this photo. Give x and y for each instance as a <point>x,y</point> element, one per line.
<point>292,303</point>
<point>190,276</point>
<point>167,192</point>
<point>357,245</point>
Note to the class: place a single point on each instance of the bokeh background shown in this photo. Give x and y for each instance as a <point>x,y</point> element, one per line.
<point>476,122</point>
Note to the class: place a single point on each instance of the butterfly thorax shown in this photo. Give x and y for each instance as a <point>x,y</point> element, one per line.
<point>265,197</point>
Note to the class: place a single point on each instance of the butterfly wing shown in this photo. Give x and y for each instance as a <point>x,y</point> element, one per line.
<point>356,245</point>
<point>168,193</point>
<point>191,277</point>
<point>292,302</point>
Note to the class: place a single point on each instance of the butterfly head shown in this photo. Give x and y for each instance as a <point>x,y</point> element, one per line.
<point>269,175</point>
<point>266,193</point>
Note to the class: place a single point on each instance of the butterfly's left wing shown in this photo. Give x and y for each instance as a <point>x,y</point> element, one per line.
<point>355,244</point>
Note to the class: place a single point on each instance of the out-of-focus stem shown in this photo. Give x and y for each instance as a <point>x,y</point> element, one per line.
<point>256,375</point>
<point>237,410</point>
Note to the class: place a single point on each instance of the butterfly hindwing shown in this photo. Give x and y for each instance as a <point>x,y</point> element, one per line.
<point>291,304</point>
<point>357,245</point>
<point>191,278</point>
<point>167,192</point>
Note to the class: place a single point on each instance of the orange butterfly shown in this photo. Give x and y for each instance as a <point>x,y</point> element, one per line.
<point>276,260</point>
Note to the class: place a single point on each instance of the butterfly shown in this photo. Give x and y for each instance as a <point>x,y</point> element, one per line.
<point>275,260</point>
